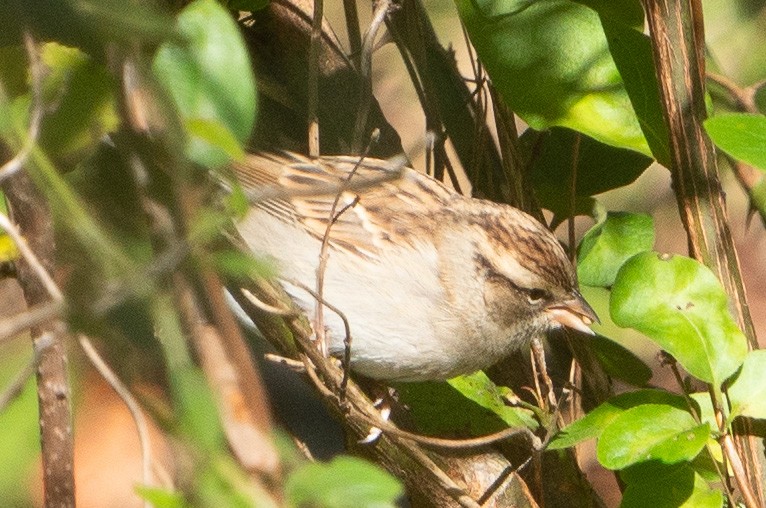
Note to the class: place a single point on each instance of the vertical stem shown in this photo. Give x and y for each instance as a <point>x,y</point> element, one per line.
<point>676,37</point>
<point>313,78</point>
<point>30,211</point>
<point>694,169</point>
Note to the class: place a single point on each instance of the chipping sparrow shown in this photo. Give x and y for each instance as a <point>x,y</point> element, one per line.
<point>433,284</point>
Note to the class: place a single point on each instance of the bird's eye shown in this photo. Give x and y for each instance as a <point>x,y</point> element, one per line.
<point>536,295</point>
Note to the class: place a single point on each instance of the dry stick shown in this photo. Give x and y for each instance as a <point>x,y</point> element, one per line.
<point>30,210</point>
<point>668,360</point>
<point>449,486</point>
<point>130,403</point>
<point>29,257</point>
<point>675,29</point>
<point>573,197</point>
<point>365,70</point>
<point>313,79</point>
<point>352,27</point>
<point>35,316</point>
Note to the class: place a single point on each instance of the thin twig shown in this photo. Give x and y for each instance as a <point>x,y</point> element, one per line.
<point>265,307</point>
<point>130,403</point>
<point>573,197</point>
<point>352,27</point>
<point>31,258</point>
<point>365,70</point>
<point>313,78</point>
<point>35,316</point>
<point>735,462</point>
<point>35,116</point>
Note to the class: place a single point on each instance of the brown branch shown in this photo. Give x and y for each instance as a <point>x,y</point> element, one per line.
<point>313,78</point>
<point>674,26</point>
<point>30,211</point>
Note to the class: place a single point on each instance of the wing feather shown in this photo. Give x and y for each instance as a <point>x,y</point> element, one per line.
<point>371,216</point>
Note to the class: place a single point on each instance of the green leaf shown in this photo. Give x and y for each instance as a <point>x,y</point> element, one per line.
<point>594,423</point>
<point>467,405</point>
<point>161,498</point>
<point>619,362</point>
<point>241,265</point>
<point>83,92</point>
<point>651,432</point>
<point>520,44</point>
<point>210,79</point>
<point>600,168</point>
<point>216,135</point>
<point>632,53</point>
<point>608,244</point>
<point>20,445</point>
<point>741,135</point>
<point>680,305</point>
<point>747,394</point>
<point>671,487</point>
<point>346,482</point>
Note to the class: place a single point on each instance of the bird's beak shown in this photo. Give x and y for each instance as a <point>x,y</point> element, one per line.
<point>574,313</point>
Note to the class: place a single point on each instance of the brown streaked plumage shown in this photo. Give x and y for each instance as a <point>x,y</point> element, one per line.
<point>433,283</point>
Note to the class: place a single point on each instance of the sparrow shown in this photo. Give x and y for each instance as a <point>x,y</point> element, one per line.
<point>433,284</point>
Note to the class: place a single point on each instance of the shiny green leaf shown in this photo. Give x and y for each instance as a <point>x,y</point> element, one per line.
<point>651,432</point>
<point>210,79</point>
<point>741,135</point>
<point>608,244</point>
<point>594,423</point>
<point>679,304</point>
<point>747,394</point>
<point>551,64</point>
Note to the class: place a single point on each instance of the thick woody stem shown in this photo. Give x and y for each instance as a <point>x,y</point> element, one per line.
<point>676,34</point>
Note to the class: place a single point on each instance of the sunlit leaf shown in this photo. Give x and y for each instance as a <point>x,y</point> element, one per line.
<point>594,423</point>
<point>346,482</point>
<point>522,43</point>
<point>741,135</point>
<point>747,394</point>
<point>680,304</point>
<point>608,244</point>
<point>651,432</point>
<point>210,79</point>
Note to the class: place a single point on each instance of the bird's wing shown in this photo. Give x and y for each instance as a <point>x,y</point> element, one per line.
<point>365,204</point>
